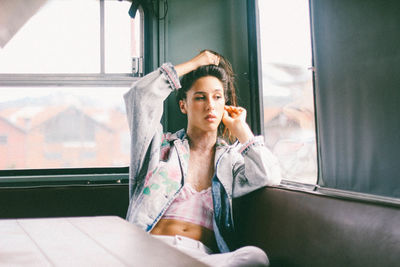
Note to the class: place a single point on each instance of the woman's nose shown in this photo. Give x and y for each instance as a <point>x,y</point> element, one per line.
<point>210,104</point>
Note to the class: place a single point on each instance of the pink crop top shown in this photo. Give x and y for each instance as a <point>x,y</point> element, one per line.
<point>192,206</point>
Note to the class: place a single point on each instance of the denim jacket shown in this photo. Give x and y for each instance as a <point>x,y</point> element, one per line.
<point>159,161</point>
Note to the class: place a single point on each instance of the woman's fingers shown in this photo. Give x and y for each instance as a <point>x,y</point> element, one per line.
<point>208,58</point>
<point>226,117</point>
<point>235,120</point>
<point>235,112</point>
<point>216,60</point>
<point>213,59</point>
<point>202,59</point>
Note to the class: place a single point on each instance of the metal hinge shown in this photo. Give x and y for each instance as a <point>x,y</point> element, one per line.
<point>137,66</point>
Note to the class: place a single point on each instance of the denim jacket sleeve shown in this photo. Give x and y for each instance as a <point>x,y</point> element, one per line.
<point>144,107</point>
<point>255,168</point>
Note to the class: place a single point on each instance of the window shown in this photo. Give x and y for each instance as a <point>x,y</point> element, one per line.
<point>62,79</point>
<point>286,60</point>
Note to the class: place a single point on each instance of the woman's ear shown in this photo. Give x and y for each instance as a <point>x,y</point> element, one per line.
<point>182,106</point>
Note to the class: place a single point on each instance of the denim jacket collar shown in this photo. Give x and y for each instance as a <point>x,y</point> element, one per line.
<point>182,135</point>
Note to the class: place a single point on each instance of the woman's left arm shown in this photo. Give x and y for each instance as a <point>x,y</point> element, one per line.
<point>256,166</point>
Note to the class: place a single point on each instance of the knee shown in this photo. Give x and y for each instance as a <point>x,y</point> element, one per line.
<point>253,256</point>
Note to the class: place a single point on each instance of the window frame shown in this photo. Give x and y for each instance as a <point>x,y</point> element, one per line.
<point>80,79</point>
<point>76,80</point>
<point>255,78</point>
<point>255,74</point>
<point>87,175</point>
<point>64,176</point>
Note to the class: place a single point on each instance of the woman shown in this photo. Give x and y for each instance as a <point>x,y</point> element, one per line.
<point>182,184</point>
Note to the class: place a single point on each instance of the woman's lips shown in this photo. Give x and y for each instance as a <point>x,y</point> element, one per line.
<point>211,117</point>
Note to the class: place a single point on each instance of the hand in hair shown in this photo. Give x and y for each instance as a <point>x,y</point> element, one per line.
<point>204,58</point>
<point>235,120</point>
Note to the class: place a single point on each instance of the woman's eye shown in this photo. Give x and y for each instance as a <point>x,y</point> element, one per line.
<point>200,98</point>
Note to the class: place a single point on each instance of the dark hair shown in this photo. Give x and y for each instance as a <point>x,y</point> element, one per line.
<point>222,72</point>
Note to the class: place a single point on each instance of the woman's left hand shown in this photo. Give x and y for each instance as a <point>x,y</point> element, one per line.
<point>235,120</point>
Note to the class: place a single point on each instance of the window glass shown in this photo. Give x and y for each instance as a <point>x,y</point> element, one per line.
<point>59,127</point>
<point>286,58</point>
<point>62,37</point>
<point>65,37</point>
<point>122,37</point>
<point>46,122</point>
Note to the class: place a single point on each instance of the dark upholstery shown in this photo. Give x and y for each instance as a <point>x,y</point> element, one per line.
<point>302,229</point>
<point>64,201</point>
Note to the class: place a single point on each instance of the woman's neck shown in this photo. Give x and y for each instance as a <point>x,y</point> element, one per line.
<point>202,140</point>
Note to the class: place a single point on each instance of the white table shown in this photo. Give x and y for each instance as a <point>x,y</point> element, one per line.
<point>83,241</point>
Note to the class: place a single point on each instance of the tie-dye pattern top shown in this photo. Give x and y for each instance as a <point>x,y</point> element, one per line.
<point>192,206</point>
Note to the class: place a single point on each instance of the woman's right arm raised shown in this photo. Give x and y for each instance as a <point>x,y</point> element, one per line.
<point>144,107</point>
<point>147,94</point>
<point>144,101</point>
<point>144,104</point>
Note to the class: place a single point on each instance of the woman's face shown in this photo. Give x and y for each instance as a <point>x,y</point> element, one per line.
<point>204,104</point>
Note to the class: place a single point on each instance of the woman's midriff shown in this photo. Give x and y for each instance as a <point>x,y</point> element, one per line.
<point>191,230</point>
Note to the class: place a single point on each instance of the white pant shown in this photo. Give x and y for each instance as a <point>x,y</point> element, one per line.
<point>245,256</point>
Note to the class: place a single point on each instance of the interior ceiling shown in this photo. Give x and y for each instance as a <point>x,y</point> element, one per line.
<point>14,14</point>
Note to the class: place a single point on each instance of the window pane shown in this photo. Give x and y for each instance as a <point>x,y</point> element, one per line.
<point>62,37</point>
<point>287,87</point>
<point>122,36</point>
<point>62,127</point>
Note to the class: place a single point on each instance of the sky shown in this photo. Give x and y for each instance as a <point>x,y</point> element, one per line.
<point>285,31</point>
<point>285,40</point>
<point>64,37</point>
